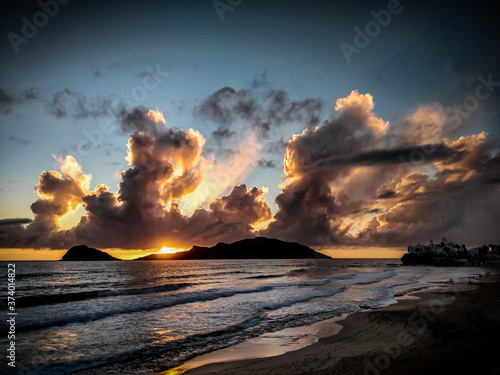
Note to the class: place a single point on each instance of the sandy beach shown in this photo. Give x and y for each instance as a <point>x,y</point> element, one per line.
<point>452,330</point>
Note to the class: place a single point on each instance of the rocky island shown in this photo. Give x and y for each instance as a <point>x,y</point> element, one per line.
<point>85,253</point>
<point>254,248</point>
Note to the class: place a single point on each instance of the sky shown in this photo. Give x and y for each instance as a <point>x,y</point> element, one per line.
<point>354,127</point>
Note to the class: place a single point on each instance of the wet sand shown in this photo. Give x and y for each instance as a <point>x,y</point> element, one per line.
<point>451,331</point>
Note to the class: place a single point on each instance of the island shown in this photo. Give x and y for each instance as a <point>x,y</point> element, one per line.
<point>252,248</point>
<point>85,253</point>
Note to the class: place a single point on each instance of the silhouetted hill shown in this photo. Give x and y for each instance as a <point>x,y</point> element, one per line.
<point>82,252</point>
<point>254,248</point>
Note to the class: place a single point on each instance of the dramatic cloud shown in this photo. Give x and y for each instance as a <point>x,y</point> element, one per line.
<point>167,178</point>
<point>307,207</point>
<point>353,180</point>
<point>224,174</point>
<point>384,156</point>
<point>230,218</point>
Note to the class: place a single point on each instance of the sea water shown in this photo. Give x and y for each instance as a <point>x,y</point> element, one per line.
<point>149,316</point>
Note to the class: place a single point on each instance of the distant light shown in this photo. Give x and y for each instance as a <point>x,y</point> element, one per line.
<point>490,249</point>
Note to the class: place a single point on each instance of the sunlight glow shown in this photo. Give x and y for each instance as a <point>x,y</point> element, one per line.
<point>170,250</point>
<point>217,178</point>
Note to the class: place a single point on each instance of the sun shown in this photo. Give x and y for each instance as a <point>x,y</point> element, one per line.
<point>170,250</point>
<point>167,250</point>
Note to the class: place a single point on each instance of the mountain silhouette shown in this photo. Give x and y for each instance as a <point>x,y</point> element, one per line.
<point>253,248</point>
<point>82,252</point>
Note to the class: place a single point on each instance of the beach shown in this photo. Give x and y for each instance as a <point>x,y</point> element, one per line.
<point>450,330</point>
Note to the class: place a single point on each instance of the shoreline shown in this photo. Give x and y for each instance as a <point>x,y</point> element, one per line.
<point>270,344</point>
<point>391,340</point>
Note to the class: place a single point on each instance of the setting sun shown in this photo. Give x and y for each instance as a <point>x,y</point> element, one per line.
<point>170,250</point>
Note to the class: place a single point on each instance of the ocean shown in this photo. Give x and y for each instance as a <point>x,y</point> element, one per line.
<point>134,317</point>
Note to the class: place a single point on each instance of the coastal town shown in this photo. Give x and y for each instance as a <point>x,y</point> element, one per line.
<point>448,253</point>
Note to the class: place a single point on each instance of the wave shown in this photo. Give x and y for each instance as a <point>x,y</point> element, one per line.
<point>176,346</point>
<point>177,299</point>
<point>178,351</point>
<point>40,274</point>
<point>289,303</point>
<point>265,276</point>
<point>298,271</point>
<point>374,279</point>
<point>385,296</point>
<point>46,299</point>
<point>411,290</point>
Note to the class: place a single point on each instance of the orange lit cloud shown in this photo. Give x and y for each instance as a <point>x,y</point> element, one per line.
<point>218,177</point>
<point>167,176</point>
<point>353,181</point>
<point>156,116</point>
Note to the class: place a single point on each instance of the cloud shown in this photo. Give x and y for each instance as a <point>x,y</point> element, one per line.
<point>140,119</point>
<point>387,194</point>
<point>426,125</point>
<point>159,200</point>
<point>21,141</point>
<point>62,104</point>
<point>388,156</point>
<point>226,105</point>
<point>231,217</point>
<point>60,193</point>
<point>276,147</point>
<point>356,181</point>
<point>307,206</point>
<point>263,163</point>
<point>229,108</point>
<point>222,133</point>
<point>281,110</point>
<point>353,180</point>
<point>490,170</point>
<point>356,129</point>
<point>226,173</point>
<point>250,204</point>
<point>15,221</point>
<point>68,103</point>
<point>9,98</point>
